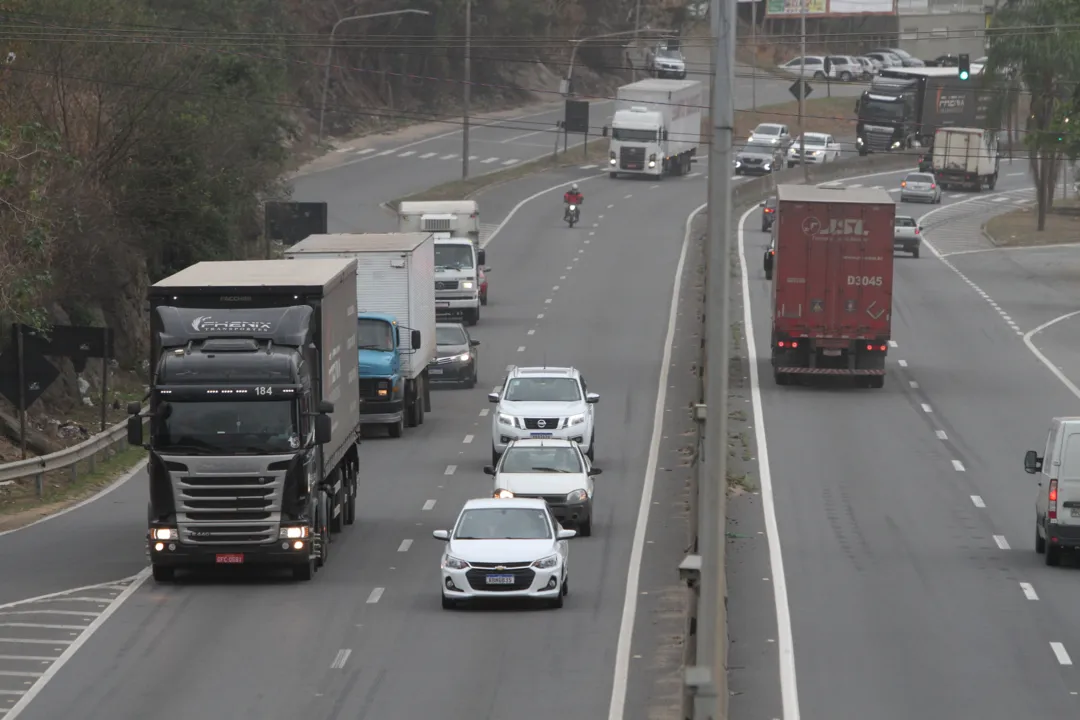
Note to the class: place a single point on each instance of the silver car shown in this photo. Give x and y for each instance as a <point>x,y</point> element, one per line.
<point>758,158</point>
<point>906,234</point>
<point>920,187</point>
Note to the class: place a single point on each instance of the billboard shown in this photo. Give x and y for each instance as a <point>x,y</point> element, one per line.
<point>826,8</point>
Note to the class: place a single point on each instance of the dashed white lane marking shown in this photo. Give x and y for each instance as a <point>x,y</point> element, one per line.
<point>591,233</point>
<point>855,185</point>
<point>736,177</point>
<point>941,435</point>
<point>913,384</point>
<point>569,267</point>
<point>404,546</point>
<point>375,595</point>
<point>540,316</point>
<point>407,153</point>
<point>599,217</point>
<point>1015,174</point>
<point>511,161</point>
<point>484,412</point>
<point>977,501</point>
<point>554,287</point>
<point>365,151</point>
<point>588,241</point>
<point>958,466</point>
<point>451,156</point>
<point>588,167</point>
<point>475,157</point>
<point>563,277</point>
<point>653,187</point>
<point>428,504</point>
<point>610,206</point>
<point>489,160</point>
<point>426,155</point>
<point>926,408</point>
<point>627,197</point>
<point>1061,653</point>
<point>548,300</point>
<point>340,659</point>
<point>1002,543</point>
<point>1029,591</point>
<point>531,332</point>
<point>450,470</point>
<point>596,225</point>
<point>892,343</point>
<point>468,439</point>
<point>384,153</point>
<point>902,363</point>
<point>521,348</point>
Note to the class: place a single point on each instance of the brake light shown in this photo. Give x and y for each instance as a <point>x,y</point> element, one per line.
<point>871,348</point>
<point>933,185</point>
<point>772,252</point>
<point>1051,507</point>
<point>916,231</point>
<point>788,343</point>
<point>882,348</point>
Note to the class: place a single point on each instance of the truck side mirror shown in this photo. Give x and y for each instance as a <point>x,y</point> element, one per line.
<point>323,432</point>
<point>135,431</point>
<point>604,132</point>
<point>414,339</point>
<point>481,257</point>
<point>325,407</point>
<point>134,408</point>
<point>858,102</point>
<point>665,135</point>
<point>1032,462</point>
<point>397,335</point>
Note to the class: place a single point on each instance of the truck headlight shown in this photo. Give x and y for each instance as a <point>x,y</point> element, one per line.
<point>895,145</point>
<point>163,534</point>
<point>858,141</point>
<point>652,163</point>
<point>612,160</point>
<point>577,496</point>
<point>467,285</point>
<point>293,533</point>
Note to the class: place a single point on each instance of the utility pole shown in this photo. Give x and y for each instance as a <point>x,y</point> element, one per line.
<point>637,38</point>
<point>753,49</point>
<point>710,694</point>
<point>468,90</point>
<point>802,89</point>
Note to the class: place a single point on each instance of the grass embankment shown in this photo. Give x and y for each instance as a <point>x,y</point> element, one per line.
<point>19,501</point>
<point>1017,228</point>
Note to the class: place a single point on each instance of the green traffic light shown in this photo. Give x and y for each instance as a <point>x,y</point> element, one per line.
<point>963,74</point>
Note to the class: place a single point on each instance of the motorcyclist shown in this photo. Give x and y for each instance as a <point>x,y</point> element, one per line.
<point>572,196</point>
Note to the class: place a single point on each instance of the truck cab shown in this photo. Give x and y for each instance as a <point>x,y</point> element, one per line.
<point>886,116</point>
<point>378,343</point>
<point>636,134</point>
<point>457,280</point>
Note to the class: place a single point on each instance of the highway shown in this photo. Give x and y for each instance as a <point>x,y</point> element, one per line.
<point>905,521</point>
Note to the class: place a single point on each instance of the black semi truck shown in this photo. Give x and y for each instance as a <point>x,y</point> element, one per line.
<point>254,414</point>
<point>904,107</point>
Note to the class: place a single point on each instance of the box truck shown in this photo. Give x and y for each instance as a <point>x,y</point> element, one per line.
<point>656,127</point>
<point>395,320</point>
<point>832,283</point>
<point>254,414</point>
<point>965,156</point>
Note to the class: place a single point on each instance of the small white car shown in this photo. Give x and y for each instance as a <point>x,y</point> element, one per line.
<point>543,402</point>
<point>555,471</point>
<point>820,149</point>
<point>906,235</point>
<point>505,548</point>
<point>773,134</point>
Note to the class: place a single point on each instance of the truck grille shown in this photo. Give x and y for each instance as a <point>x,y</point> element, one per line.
<point>549,423</point>
<point>879,142</point>
<point>369,388</point>
<point>523,578</point>
<point>632,157</point>
<point>446,284</point>
<point>228,509</point>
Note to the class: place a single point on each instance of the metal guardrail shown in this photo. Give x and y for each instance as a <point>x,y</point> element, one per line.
<point>66,459</point>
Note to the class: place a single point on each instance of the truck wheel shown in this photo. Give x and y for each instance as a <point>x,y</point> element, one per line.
<point>473,316</point>
<point>163,573</point>
<point>350,503</point>
<point>768,274</point>
<point>394,430</point>
<point>992,182</point>
<point>322,529</point>
<point>613,175</point>
<point>1040,542</point>
<point>420,410</point>
<point>875,381</point>
<point>915,253</point>
<point>781,378</point>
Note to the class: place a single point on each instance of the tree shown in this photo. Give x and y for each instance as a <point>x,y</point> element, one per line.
<point>1038,41</point>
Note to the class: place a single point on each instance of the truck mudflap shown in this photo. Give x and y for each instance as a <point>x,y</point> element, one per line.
<point>830,371</point>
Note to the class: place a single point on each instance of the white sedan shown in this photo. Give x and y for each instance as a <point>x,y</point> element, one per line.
<point>820,148</point>
<point>505,548</point>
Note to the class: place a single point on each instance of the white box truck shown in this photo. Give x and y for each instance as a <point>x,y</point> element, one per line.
<point>965,156</point>
<point>656,127</point>
<point>460,218</point>
<point>395,301</point>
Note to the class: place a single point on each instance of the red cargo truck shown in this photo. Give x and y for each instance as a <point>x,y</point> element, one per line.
<point>832,283</point>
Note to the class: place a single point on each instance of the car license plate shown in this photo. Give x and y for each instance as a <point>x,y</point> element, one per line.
<point>632,166</point>
<point>500,579</point>
<point>230,559</point>
<point>1075,512</point>
<point>436,371</point>
<point>540,435</point>
<point>831,353</point>
<point>442,304</point>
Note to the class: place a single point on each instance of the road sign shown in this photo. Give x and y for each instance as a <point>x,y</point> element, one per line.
<point>38,373</point>
<point>576,118</point>
<point>78,342</point>
<point>291,222</point>
<point>794,89</point>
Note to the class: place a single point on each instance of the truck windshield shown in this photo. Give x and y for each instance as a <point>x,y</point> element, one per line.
<point>453,257</point>
<point>374,334</point>
<point>225,427</point>
<point>633,135</point>
<point>881,110</point>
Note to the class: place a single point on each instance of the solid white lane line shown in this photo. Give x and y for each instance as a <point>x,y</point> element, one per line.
<point>1029,591</point>
<point>977,501</point>
<point>926,408</point>
<point>340,659</point>
<point>941,435</point>
<point>468,439</point>
<point>1061,653</point>
<point>450,470</point>
<point>29,641</point>
<point>14,673</point>
<point>45,627</point>
<point>404,546</point>
<point>958,466</point>
<point>1002,542</point>
<point>375,595</point>
<point>428,505</point>
<point>28,658</point>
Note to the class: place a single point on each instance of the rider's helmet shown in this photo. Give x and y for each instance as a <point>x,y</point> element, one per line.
<point>573,188</point>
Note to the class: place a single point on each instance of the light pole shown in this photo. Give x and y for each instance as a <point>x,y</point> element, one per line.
<point>330,52</point>
<point>637,38</point>
<point>468,92</point>
<point>802,88</point>
<point>577,43</point>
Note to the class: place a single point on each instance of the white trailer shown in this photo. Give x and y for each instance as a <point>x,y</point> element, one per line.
<point>965,156</point>
<point>656,128</point>
<point>395,300</point>
<point>460,218</point>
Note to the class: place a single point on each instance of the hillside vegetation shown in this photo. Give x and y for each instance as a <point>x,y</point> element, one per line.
<point>139,137</point>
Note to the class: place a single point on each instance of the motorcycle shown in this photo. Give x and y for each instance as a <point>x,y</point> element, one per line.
<point>571,215</point>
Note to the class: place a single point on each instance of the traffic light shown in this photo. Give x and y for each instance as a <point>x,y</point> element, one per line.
<point>965,66</point>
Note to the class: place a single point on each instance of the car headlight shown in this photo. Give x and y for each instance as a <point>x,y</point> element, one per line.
<point>544,563</point>
<point>611,161</point>
<point>293,533</point>
<point>858,141</point>
<point>577,496</point>
<point>467,285</point>
<point>767,166</point>
<point>463,357</point>
<point>449,561</point>
<point>738,163</point>
<point>505,419</point>
<point>163,533</point>
<point>575,419</point>
<point>896,144</point>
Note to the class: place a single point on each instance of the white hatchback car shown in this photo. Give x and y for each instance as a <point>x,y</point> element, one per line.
<point>505,548</point>
<point>543,402</point>
<point>553,470</point>
<point>820,149</point>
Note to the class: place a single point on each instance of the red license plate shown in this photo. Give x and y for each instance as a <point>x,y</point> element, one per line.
<point>230,559</point>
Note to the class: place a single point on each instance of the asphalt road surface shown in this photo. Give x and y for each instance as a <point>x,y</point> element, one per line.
<point>905,521</point>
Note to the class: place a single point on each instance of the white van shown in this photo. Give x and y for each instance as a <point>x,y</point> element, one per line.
<point>1057,509</point>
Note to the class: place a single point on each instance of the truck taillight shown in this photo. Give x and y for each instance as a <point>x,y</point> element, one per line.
<point>788,343</point>
<point>871,348</point>
<point>1051,506</point>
